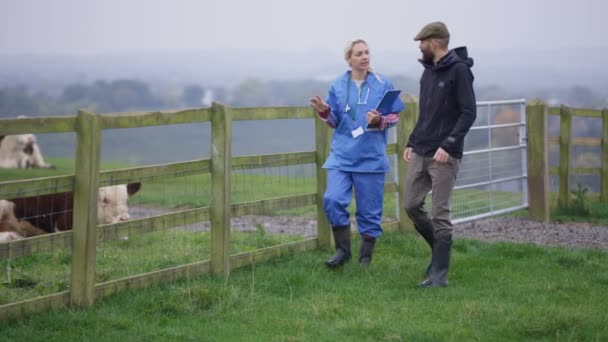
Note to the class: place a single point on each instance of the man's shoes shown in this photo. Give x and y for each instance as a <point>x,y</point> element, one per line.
<point>437,273</point>
<point>427,283</point>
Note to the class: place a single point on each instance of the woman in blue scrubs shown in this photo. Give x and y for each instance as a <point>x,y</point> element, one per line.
<point>357,159</point>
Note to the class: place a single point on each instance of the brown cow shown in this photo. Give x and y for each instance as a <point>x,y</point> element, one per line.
<point>53,212</point>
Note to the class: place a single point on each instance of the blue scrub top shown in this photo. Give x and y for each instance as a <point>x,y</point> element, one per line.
<point>366,153</point>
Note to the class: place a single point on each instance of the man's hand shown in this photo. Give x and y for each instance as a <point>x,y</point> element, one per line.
<point>318,104</point>
<point>407,154</point>
<point>441,156</point>
<point>373,117</point>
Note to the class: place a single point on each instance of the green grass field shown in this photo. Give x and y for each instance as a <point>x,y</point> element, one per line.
<point>497,291</point>
<point>48,273</point>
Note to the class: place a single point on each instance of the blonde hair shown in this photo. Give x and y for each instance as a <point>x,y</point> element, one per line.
<point>348,50</point>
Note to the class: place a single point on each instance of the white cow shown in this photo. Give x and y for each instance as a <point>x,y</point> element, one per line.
<point>112,204</point>
<point>21,151</point>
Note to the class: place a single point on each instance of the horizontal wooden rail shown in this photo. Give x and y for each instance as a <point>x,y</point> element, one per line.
<point>272,160</point>
<point>34,245</point>
<point>591,113</point>
<point>48,124</point>
<point>30,306</point>
<point>146,279</point>
<point>272,113</point>
<point>582,141</point>
<point>154,172</point>
<point>265,254</point>
<point>36,186</point>
<point>137,120</point>
<point>287,202</point>
<point>151,224</point>
<point>579,171</point>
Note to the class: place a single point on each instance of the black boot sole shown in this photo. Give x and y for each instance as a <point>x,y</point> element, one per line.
<point>426,284</point>
<point>332,264</point>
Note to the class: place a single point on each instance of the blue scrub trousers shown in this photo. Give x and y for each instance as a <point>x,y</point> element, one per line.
<point>369,196</point>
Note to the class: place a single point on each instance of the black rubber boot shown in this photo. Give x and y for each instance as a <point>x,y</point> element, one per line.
<point>367,250</point>
<point>427,232</point>
<point>342,240</point>
<point>438,274</point>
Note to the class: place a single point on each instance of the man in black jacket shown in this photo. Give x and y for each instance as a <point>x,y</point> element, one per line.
<point>434,149</point>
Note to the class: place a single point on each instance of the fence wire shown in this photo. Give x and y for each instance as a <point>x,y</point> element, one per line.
<point>34,267</point>
<point>286,214</point>
<point>138,246</point>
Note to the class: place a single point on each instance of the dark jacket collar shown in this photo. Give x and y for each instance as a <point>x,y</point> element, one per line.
<point>457,55</point>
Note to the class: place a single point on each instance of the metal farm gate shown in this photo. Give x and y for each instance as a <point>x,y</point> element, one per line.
<point>493,174</point>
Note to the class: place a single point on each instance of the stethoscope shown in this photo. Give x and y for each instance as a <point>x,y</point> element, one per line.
<point>347,108</point>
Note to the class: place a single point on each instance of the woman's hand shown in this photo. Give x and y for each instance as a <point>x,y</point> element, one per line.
<point>318,104</point>
<point>373,117</point>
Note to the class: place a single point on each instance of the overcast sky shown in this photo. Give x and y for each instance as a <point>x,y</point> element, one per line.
<point>117,26</point>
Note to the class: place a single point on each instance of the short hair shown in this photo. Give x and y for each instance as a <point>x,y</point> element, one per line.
<point>442,42</point>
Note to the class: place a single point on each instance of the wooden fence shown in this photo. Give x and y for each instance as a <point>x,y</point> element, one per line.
<point>82,240</point>
<point>538,146</point>
<point>565,141</point>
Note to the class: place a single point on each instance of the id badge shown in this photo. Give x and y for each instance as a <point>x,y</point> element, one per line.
<point>357,132</point>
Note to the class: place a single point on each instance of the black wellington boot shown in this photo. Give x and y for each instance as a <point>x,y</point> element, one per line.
<point>342,239</point>
<point>426,230</point>
<point>438,274</point>
<point>367,250</point>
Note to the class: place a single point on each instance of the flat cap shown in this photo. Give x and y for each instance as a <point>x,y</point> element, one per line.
<point>433,30</point>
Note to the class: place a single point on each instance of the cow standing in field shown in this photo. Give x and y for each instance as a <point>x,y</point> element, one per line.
<point>53,212</point>
<point>21,151</point>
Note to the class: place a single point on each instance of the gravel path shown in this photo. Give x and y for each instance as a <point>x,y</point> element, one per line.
<point>512,229</point>
<point>517,229</point>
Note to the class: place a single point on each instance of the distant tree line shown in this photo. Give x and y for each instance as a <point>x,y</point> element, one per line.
<point>127,94</point>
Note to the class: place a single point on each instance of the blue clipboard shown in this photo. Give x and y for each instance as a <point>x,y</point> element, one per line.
<point>385,105</point>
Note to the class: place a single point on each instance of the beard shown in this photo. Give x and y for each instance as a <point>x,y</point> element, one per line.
<point>428,56</point>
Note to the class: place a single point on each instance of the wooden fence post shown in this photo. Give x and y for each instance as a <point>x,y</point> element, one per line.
<point>84,230</point>
<point>538,160</point>
<point>564,155</point>
<point>406,124</point>
<point>604,195</point>
<point>221,169</point>
<point>322,142</point>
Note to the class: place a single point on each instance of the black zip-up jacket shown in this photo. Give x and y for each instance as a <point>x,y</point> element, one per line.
<point>447,105</point>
